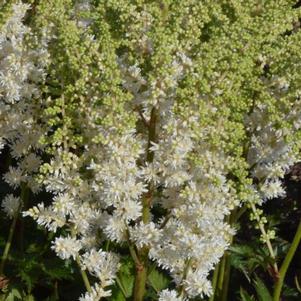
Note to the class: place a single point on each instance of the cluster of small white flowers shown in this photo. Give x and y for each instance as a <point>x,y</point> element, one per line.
<point>167,295</point>
<point>272,151</point>
<point>66,247</point>
<point>146,234</point>
<point>109,188</point>
<point>96,294</point>
<point>71,206</point>
<point>118,184</point>
<point>14,177</point>
<point>16,64</point>
<point>272,189</point>
<point>21,71</point>
<point>11,205</point>
<point>46,217</point>
<point>197,196</point>
<point>198,285</point>
<point>271,154</point>
<point>103,265</point>
<point>171,153</point>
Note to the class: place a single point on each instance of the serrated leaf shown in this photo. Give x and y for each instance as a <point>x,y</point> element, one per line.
<point>126,277</point>
<point>28,278</point>
<point>238,263</point>
<point>54,268</point>
<point>242,250</point>
<point>158,280</point>
<point>262,291</point>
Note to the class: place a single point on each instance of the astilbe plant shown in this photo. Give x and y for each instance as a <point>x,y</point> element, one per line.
<point>149,122</point>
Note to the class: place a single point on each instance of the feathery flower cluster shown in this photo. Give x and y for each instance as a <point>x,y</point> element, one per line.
<point>66,247</point>
<point>96,294</point>
<point>22,69</point>
<point>11,205</point>
<point>167,295</point>
<point>103,265</point>
<point>271,153</point>
<point>145,134</point>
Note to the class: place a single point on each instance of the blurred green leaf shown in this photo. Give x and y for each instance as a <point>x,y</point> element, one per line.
<point>117,296</point>
<point>54,268</point>
<point>262,291</point>
<point>158,280</point>
<point>245,296</point>
<point>29,298</point>
<point>13,295</point>
<point>244,250</point>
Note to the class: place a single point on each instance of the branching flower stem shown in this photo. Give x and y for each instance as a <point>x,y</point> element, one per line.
<point>141,266</point>
<point>132,250</point>
<point>267,240</point>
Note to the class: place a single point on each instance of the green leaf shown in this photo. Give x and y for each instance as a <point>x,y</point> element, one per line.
<point>28,278</point>
<point>117,296</point>
<point>29,298</point>
<point>13,295</point>
<point>240,264</point>
<point>126,277</point>
<point>243,250</point>
<point>262,291</point>
<point>245,296</point>
<point>158,280</point>
<point>33,248</point>
<point>53,268</point>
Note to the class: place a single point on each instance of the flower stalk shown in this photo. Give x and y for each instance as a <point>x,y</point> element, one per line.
<point>214,281</point>
<point>267,240</point>
<point>24,198</point>
<point>286,263</point>
<point>84,276</point>
<point>142,265</point>
<point>8,243</point>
